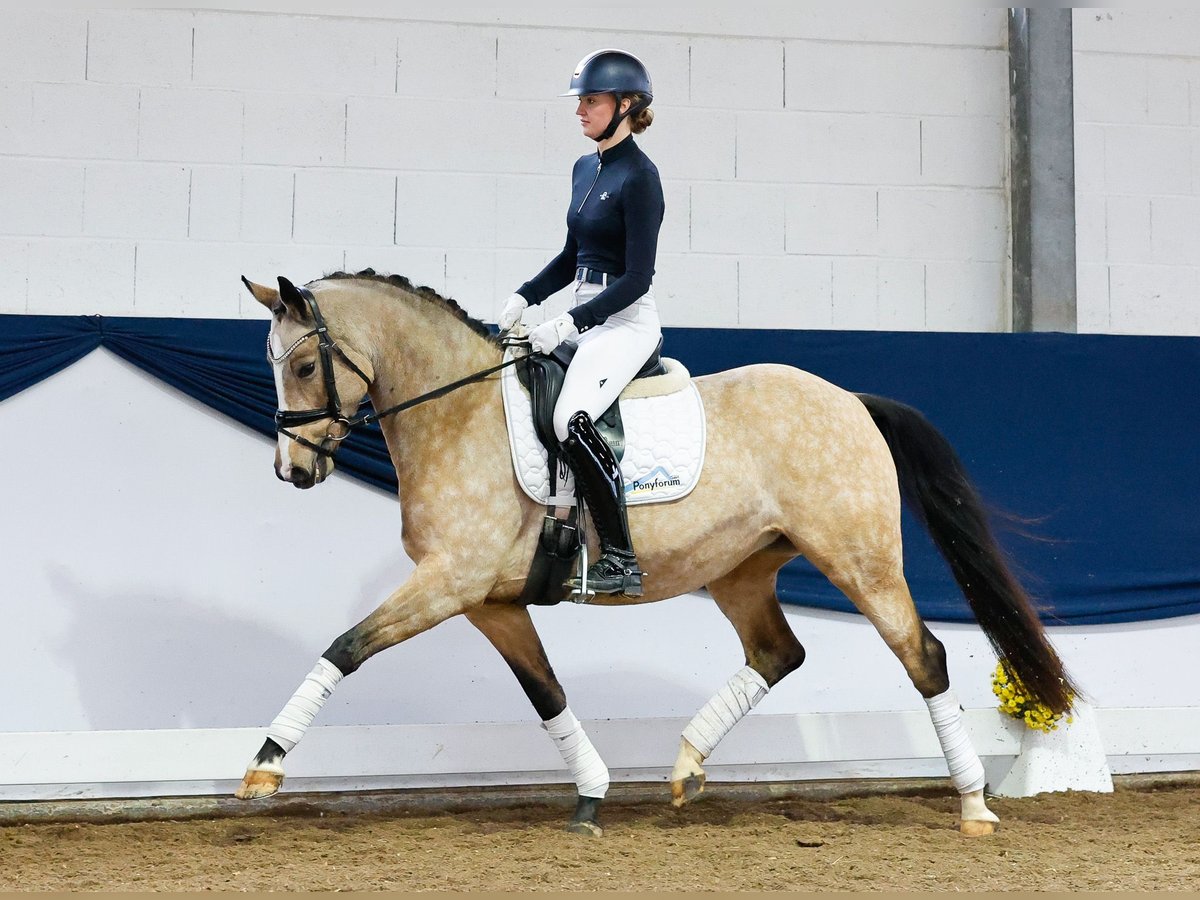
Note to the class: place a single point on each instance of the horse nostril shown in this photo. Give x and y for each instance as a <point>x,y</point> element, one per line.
<point>301,478</point>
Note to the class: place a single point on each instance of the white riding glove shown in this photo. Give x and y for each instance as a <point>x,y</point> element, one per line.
<point>513,307</point>
<point>549,335</point>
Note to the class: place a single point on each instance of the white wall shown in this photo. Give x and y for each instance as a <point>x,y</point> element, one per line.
<point>162,589</point>
<point>1137,152</point>
<point>823,168</point>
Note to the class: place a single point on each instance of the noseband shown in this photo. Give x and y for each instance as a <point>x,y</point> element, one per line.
<point>340,425</point>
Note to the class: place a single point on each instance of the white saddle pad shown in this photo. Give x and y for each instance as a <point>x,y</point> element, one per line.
<point>664,441</point>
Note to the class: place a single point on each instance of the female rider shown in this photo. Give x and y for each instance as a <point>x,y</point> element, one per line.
<point>612,239</point>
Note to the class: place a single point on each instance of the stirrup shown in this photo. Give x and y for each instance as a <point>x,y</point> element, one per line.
<point>612,574</point>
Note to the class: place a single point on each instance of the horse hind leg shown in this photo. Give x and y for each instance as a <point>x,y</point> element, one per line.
<point>888,605</point>
<point>746,596</point>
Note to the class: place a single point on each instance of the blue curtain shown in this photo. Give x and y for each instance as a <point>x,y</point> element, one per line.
<point>1095,436</point>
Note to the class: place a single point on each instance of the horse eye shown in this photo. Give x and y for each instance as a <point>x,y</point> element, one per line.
<point>306,370</point>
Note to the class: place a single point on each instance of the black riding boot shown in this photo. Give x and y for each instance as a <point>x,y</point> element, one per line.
<point>598,480</point>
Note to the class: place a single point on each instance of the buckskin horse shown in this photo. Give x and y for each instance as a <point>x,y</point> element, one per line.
<point>823,478</point>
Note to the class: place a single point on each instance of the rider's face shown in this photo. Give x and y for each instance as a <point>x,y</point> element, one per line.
<point>595,111</point>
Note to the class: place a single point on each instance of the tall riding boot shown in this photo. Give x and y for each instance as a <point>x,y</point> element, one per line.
<point>598,479</point>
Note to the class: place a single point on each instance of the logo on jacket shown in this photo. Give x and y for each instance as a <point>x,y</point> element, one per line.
<point>604,195</point>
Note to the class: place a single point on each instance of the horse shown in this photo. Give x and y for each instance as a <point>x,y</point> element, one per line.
<point>794,466</point>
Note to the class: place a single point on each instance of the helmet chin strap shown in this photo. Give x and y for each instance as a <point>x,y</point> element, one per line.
<point>619,117</point>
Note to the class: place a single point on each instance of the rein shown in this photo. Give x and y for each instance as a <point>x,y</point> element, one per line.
<point>285,419</point>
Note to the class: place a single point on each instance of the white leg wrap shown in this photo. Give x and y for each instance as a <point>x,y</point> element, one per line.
<point>727,707</point>
<point>587,768</point>
<point>289,726</point>
<point>966,771</point>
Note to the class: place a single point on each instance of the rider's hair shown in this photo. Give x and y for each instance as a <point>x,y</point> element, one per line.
<point>640,121</point>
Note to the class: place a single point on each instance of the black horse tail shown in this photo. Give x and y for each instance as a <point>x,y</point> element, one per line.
<point>936,487</point>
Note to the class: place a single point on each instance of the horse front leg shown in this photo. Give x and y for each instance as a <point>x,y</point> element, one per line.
<point>433,594</point>
<point>510,630</point>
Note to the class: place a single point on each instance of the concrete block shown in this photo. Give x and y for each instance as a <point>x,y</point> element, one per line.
<point>267,204</point>
<point>14,275</point>
<point>136,200</point>
<point>901,295</point>
<point>41,197</point>
<point>1089,157</point>
<point>943,224</point>
<point>825,147</point>
<point>1128,229</point>
<point>215,207</point>
<point>294,129</point>
<point>140,46</point>
<point>986,27</point>
<point>444,210</point>
<point>1091,299</point>
<point>785,292</point>
<point>1175,231</point>
<point>1110,88</point>
<point>1147,159</point>
<point>696,291</point>
<point>344,207</point>
<point>93,121</point>
<point>43,45</point>
<point>737,218</point>
<point>832,219</point>
<point>675,235</point>
<point>445,61</point>
<point>966,296</point>
<point>1170,84</point>
<point>691,143</point>
<point>855,293</point>
<point>530,212</point>
<point>187,125</point>
<point>1166,32</point>
<point>962,150</point>
<point>536,64</point>
<point>198,280</point>
<point>77,276</point>
<point>1091,231</point>
<point>465,136</point>
<point>16,118</point>
<point>471,280</point>
<point>419,265</point>
<point>1154,299</point>
<point>736,73</point>
<point>317,54</point>
<point>896,79</point>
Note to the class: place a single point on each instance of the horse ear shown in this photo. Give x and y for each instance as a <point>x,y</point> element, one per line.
<point>267,296</point>
<point>292,298</point>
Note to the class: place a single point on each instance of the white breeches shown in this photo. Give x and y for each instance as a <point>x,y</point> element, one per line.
<point>608,357</point>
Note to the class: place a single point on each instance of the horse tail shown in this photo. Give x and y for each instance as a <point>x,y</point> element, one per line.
<point>935,486</point>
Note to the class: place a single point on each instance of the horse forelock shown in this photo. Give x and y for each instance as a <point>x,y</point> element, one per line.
<point>421,292</point>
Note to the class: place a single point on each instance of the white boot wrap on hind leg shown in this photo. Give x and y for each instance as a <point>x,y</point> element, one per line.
<point>727,707</point>
<point>966,771</point>
<point>289,726</point>
<point>587,768</point>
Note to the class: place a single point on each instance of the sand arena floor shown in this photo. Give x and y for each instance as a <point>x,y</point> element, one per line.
<point>1134,839</point>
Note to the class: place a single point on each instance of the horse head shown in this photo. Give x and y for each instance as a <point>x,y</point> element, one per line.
<point>320,382</point>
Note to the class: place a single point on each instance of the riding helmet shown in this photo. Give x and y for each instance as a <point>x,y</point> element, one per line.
<point>612,72</point>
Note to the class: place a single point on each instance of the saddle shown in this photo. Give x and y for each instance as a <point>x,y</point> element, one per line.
<point>559,544</point>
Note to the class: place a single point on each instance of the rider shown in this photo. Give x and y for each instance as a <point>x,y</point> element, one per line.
<point>612,238</point>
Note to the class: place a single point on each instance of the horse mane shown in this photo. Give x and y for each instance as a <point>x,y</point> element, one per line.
<point>424,292</point>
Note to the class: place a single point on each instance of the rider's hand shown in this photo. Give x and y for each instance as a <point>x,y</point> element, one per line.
<point>513,307</point>
<point>548,335</point>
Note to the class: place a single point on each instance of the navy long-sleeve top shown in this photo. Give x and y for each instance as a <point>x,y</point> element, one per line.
<point>612,226</point>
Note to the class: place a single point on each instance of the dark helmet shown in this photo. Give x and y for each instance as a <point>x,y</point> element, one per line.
<point>612,72</point>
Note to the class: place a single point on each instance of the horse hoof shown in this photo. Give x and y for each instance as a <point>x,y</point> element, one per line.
<point>588,829</point>
<point>259,783</point>
<point>976,827</point>
<point>687,789</point>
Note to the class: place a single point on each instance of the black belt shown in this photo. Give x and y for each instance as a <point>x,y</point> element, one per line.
<point>592,276</point>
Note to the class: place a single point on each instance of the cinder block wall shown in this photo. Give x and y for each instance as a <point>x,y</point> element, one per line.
<point>822,168</point>
<point>1137,170</point>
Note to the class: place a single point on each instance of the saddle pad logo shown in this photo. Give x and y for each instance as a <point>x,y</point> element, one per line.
<point>656,480</point>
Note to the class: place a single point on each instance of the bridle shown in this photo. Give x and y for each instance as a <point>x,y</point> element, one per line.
<point>340,425</point>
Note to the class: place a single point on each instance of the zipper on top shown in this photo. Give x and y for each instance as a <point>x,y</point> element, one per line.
<point>599,166</point>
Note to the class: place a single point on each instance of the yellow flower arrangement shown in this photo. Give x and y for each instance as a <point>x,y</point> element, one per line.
<point>1014,701</point>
